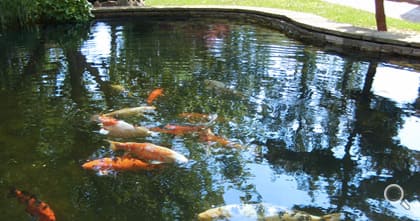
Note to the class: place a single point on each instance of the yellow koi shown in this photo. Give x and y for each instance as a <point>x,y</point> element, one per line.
<point>130,111</point>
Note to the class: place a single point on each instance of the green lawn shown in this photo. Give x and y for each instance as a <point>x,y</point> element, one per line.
<point>333,12</point>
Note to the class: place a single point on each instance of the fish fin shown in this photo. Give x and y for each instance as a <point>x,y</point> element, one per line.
<point>95,118</point>
<point>179,158</point>
<point>103,131</point>
<point>104,172</point>
<point>331,217</point>
<point>156,162</point>
<point>112,145</point>
<point>212,119</point>
<point>154,134</point>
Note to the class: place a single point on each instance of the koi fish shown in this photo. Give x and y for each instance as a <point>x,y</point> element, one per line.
<point>119,128</point>
<point>209,136</point>
<point>261,212</point>
<point>218,86</point>
<point>149,152</point>
<point>198,118</point>
<point>116,88</point>
<point>154,94</point>
<point>34,207</point>
<point>118,164</point>
<point>130,111</point>
<point>178,130</point>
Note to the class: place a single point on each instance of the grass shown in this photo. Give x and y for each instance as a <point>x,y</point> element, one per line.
<point>327,10</point>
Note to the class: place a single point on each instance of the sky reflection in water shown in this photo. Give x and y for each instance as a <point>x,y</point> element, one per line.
<point>316,140</point>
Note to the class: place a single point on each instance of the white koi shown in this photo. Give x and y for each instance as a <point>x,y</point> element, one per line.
<point>261,212</point>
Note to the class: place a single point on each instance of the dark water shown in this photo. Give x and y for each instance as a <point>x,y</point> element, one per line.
<point>322,132</point>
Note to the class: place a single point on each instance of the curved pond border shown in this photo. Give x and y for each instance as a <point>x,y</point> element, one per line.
<point>302,26</point>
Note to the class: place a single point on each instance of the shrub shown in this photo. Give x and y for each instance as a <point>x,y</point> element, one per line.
<point>64,11</point>
<point>21,13</point>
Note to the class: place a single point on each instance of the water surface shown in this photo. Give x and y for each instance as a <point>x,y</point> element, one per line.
<point>321,132</point>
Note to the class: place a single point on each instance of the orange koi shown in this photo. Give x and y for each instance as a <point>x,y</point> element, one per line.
<point>119,128</point>
<point>149,152</point>
<point>154,94</point>
<point>208,136</point>
<point>178,129</point>
<point>118,164</point>
<point>34,207</point>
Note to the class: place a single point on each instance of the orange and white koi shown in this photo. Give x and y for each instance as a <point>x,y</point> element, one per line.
<point>119,128</point>
<point>130,111</point>
<point>34,206</point>
<point>118,164</point>
<point>261,211</point>
<point>178,130</point>
<point>154,94</point>
<point>149,152</point>
<point>209,136</point>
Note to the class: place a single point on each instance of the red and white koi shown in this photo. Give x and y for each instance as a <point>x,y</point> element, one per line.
<point>34,206</point>
<point>119,128</point>
<point>149,152</point>
<point>261,212</point>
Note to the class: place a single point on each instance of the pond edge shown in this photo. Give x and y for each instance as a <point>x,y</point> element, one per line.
<point>302,26</point>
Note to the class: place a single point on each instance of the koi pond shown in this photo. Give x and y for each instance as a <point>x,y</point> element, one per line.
<point>297,126</point>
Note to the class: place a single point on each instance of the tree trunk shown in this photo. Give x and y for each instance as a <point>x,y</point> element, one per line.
<point>380,15</point>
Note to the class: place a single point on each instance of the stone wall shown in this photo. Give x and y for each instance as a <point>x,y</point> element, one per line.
<point>305,27</point>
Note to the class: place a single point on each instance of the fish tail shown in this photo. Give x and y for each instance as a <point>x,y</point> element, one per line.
<point>179,158</point>
<point>331,217</point>
<point>95,118</point>
<point>112,144</point>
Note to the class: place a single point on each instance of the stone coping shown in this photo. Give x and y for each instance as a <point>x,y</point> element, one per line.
<point>304,26</point>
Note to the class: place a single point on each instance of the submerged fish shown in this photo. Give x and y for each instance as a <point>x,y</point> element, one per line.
<point>261,212</point>
<point>149,152</point>
<point>209,136</point>
<point>130,111</point>
<point>119,128</point>
<point>218,86</point>
<point>117,88</point>
<point>213,84</point>
<point>118,164</point>
<point>198,118</point>
<point>36,208</point>
<point>178,130</point>
<point>154,94</point>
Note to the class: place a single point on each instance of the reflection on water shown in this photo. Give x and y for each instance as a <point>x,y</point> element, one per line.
<point>322,132</point>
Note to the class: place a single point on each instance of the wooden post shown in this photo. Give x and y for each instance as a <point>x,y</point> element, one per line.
<point>380,15</point>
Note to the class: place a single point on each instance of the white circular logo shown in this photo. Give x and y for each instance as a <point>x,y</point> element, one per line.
<point>394,193</point>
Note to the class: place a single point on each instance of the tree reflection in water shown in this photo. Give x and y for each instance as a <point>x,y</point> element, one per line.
<point>304,114</point>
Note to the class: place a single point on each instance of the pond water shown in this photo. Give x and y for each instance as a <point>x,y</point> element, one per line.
<point>319,131</point>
